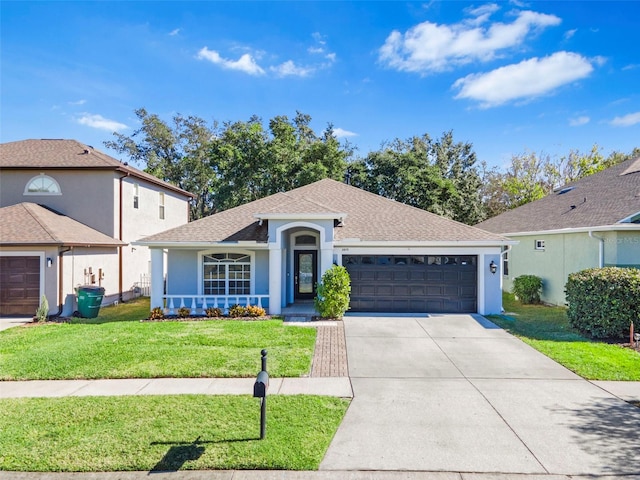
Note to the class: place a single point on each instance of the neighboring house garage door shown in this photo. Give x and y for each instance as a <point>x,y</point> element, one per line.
<point>396,283</point>
<point>19,285</point>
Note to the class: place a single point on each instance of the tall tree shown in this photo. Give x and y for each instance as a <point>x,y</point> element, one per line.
<point>176,153</point>
<point>237,162</point>
<point>439,176</point>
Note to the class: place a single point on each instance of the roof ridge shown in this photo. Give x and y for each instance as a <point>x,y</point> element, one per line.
<point>32,211</point>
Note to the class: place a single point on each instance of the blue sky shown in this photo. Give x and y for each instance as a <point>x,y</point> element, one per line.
<point>509,77</point>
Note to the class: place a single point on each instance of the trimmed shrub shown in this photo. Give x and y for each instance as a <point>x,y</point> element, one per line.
<point>213,312</point>
<point>156,314</point>
<point>603,301</point>
<point>255,311</point>
<point>527,288</point>
<point>237,311</point>
<point>43,310</point>
<point>184,312</point>
<point>332,299</point>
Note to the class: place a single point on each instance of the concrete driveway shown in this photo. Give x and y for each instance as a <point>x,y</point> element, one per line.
<point>8,322</point>
<point>457,393</point>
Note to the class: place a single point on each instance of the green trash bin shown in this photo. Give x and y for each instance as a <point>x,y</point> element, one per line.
<point>89,300</point>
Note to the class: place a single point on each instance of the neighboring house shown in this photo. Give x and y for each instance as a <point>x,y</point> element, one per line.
<point>592,222</point>
<point>68,215</point>
<point>273,251</point>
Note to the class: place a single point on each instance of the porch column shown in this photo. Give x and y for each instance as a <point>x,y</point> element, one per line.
<point>275,280</point>
<point>326,260</point>
<point>157,277</point>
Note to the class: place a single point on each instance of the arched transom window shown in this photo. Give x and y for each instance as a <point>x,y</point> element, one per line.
<point>227,274</point>
<point>42,185</point>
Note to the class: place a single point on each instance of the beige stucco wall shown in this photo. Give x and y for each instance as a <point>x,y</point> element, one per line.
<point>86,196</point>
<point>144,221</point>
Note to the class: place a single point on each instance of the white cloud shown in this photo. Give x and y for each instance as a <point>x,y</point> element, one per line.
<point>525,80</point>
<point>174,32</point>
<point>631,66</point>
<point>481,14</point>
<point>626,120</point>
<point>430,47</point>
<point>99,122</point>
<point>342,133</point>
<point>570,33</point>
<point>78,102</point>
<point>290,69</point>
<point>579,121</point>
<point>245,63</point>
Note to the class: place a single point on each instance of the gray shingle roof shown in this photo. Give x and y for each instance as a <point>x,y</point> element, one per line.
<point>602,199</point>
<point>369,218</point>
<point>68,154</point>
<point>31,224</point>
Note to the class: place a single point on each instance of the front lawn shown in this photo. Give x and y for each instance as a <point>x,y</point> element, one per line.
<point>160,433</point>
<point>134,349</point>
<point>547,329</point>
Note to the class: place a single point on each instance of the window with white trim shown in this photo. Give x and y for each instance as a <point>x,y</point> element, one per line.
<point>136,193</point>
<point>42,185</point>
<point>539,245</point>
<point>161,206</point>
<point>226,274</point>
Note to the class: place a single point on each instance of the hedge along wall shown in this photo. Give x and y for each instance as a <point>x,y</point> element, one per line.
<point>604,301</point>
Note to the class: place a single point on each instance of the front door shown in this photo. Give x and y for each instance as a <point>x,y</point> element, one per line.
<point>306,271</point>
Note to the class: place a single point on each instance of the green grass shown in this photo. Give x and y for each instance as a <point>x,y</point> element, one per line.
<point>157,433</point>
<point>135,309</point>
<point>547,329</point>
<point>134,349</point>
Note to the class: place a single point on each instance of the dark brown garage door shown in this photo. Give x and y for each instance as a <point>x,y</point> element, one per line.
<point>19,285</point>
<point>395,283</point>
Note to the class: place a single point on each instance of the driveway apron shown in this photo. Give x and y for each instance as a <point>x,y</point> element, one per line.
<point>457,393</point>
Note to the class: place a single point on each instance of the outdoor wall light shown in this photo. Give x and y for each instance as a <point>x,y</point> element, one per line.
<point>493,268</point>
<point>49,261</point>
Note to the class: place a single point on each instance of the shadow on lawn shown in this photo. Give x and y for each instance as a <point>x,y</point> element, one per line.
<point>181,452</point>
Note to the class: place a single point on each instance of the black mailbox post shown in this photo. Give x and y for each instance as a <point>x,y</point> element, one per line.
<point>260,391</point>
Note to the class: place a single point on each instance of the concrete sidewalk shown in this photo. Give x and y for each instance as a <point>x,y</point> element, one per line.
<point>330,386</point>
<point>291,475</point>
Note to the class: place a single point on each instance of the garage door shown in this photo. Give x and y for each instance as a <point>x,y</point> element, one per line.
<point>19,285</point>
<point>395,283</point>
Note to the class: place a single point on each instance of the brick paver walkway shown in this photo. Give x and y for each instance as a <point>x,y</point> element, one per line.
<point>330,357</point>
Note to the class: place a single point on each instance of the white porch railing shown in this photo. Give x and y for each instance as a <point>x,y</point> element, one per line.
<point>198,304</point>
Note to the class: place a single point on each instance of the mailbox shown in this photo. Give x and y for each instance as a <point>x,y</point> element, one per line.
<point>261,385</point>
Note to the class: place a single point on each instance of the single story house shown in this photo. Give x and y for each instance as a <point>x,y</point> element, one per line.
<point>592,222</point>
<point>272,252</point>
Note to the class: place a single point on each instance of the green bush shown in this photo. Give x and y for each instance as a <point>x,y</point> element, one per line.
<point>604,301</point>
<point>527,288</point>
<point>213,312</point>
<point>43,310</point>
<point>156,314</point>
<point>255,311</point>
<point>333,292</point>
<point>237,311</point>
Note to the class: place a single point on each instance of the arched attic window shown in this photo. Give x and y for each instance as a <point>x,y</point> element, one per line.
<point>42,185</point>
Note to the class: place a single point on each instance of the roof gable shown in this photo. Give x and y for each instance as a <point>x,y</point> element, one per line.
<point>69,154</point>
<point>369,218</point>
<point>31,224</point>
<point>603,199</point>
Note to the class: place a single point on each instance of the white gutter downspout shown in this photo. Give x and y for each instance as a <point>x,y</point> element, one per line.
<point>502,255</point>
<point>601,250</point>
